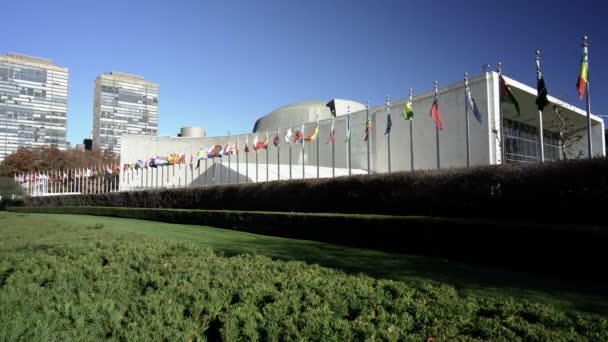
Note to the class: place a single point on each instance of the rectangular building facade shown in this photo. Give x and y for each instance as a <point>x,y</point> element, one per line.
<point>123,104</point>
<point>33,103</point>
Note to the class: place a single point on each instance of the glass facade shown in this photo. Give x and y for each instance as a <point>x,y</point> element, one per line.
<point>123,104</point>
<point>521,143</point>
<point>33,103</point>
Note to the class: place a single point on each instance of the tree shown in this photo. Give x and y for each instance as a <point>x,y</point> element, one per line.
<point>568,134</point>
<point>42,159</point>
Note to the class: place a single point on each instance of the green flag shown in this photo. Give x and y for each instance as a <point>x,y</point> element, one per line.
<point>408,111</point>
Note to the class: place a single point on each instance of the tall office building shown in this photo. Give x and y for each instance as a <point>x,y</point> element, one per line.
<point>123,104</point>
<point>33,103</point>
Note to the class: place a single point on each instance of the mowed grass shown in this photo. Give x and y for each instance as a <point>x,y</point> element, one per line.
<point>84,277</point>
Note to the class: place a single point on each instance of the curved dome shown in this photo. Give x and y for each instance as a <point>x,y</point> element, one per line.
<point>304,112</point>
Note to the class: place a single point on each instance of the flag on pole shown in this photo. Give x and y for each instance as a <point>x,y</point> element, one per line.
<point>234,149</point>
<point>408,111</point>
<point>246,148</point>
<point>347,135</point>
<point>200,155</point>
<point>332,131</point>
<point>435,114</point>
<point>506,95</point>
<point>314,134</point>
<point>288,135</point>
<point>276,140</point>
<point>214,151</point>
<point>258,144</point>
<point>470,103</point>
<point>182,159</point>
<point>368,129</point>
<point>541,97</point>
<point>299,137</point>
<point>583,76</point>
<point>226,150</point>
<point>389,122</point>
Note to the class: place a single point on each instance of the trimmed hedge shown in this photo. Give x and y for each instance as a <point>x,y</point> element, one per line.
<point>553,248</point>
<point>567,191</point>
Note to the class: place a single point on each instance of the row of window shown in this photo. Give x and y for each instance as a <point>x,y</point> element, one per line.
<point>522,143</point>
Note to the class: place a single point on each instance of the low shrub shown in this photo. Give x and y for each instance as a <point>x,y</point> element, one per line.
<point>567,191</point>
<point>565,248</point>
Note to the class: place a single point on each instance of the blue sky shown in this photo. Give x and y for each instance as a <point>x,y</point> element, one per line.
<point>223,64</point>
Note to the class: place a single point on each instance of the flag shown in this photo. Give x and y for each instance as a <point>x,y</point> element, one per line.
<point>541,97</point>
<point>174,158</point>
<point>347,136</point>
<point>408,111</point>
<point>200,155</point>
<point>214,151</point>
<point>314,134</point>
<point>191,159</point>
<point>299,137</point>
<point>368,129</point>
<point>435,114</point>
<point>152,163</point>
<point>182,159</point>
<point>226,150</point>
<point>332,131</point>
<point>234,149</point>
<point>389,122</point>
<point>506,95</point>
<point>471,105</point>
<point>108,169</point>
<point>246,148</point>
<point>276,140</point>
<point>583,76</point>
<point>138,165</point>
<point>288,135</point>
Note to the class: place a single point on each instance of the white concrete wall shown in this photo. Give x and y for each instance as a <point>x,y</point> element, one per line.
<point>484,145</point>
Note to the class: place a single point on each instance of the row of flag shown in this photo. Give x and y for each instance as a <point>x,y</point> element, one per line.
<point>262,142</point>
<point>60,175</point>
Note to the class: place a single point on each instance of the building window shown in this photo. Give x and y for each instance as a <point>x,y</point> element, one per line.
<point>522,142</point>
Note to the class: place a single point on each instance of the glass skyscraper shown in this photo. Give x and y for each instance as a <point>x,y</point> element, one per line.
<point>33,103</point>
<point>123,104</point>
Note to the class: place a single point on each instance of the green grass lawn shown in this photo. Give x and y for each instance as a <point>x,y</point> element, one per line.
<point>86,277</point>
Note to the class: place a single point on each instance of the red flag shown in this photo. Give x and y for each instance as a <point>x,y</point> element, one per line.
<point>435,115</point>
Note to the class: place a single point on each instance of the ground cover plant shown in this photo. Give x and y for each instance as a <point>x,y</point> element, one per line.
<point>79,279</point>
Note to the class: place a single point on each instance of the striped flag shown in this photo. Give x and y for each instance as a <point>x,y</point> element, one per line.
<point>435,114</point>
<point>583,76</point>
<point>471,105</point>
<point>332,131</point>
<point>313,135</point>
<point>506,95</point>
<point>368,129</point>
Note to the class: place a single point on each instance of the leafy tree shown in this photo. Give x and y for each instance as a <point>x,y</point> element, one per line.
<point>49,158</point>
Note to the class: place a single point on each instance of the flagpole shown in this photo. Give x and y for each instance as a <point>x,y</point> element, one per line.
<point>229,155</point>
<point>503,154</point>
<point>333,151</point>
<point>238,174</point>
<point>246,161</point>
<point>278,154</point>
<point>303,141</point>
<point>589,143</point>
<point>348,142</point>
<point>221,169</point>
<point>388,135</point>
<point>466,118</point>
<point>411,134</point>
<point>206,171</point>
<point>256,164</point>
<point>540,118</point>
<point>267,143</point>
<point>317,137</point>
<point>437,130</point>
<point>368,136</point>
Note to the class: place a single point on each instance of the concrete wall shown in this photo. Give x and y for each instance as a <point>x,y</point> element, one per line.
<point>484,144</point>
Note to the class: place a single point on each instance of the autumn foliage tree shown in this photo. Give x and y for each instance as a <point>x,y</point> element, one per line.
<point>49,158</point>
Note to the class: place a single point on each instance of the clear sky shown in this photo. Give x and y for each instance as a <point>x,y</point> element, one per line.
<point>223,64</point>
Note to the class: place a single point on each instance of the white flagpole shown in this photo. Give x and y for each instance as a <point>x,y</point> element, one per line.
<point>238,174</point>
<point>267,149</point>
<point>388,135</point>
<point>349,133</point>
<point>290,153</point>
<point>229,155</point>
<point>368,130</point>
<point>586,56</point>
<point>437,129</point>
<point>466,118</point>
<point>278,153</point>
<point>303,141</point>
<point>411,134</point>
<point>333,148</point>
<point>503,153</point>
<point>317,138</point>
<point>541,149</point>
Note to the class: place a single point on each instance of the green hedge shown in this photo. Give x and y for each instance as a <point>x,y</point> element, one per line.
<point>539,247</point>
<point>570,191</point>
